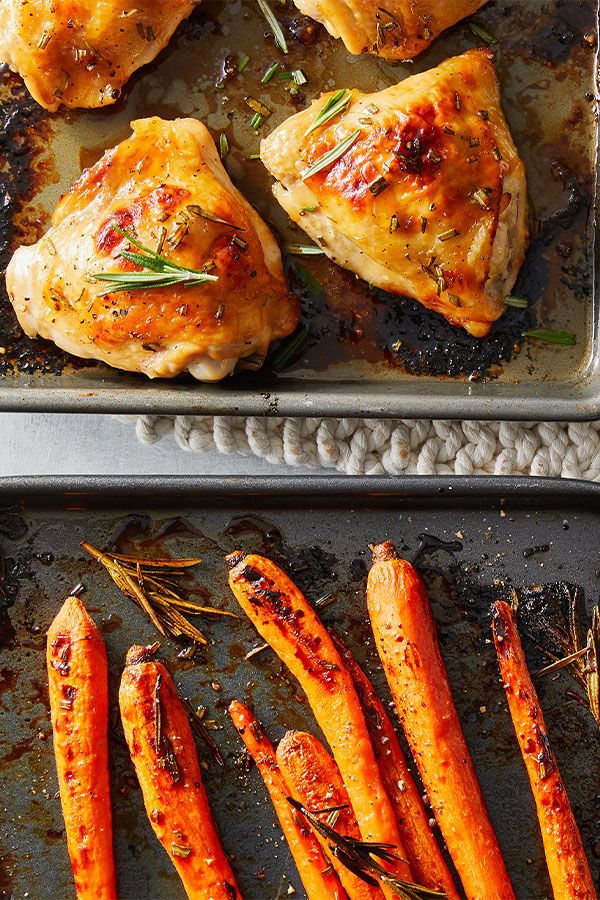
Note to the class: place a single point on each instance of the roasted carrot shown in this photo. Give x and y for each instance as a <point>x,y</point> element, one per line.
<point>567,864</point>
<point>288,622</point>
<point>426,859</point>
<point>313,778</point>
<point>406,638</point>
<point>162,749</point>
<point>78,685</point>
<point>318,878</point>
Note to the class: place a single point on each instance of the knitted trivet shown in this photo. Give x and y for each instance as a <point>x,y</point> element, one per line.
<point>393,446</point>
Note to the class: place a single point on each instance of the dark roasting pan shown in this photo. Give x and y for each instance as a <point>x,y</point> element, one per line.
<point>546,55</point>
<point>514,533</point>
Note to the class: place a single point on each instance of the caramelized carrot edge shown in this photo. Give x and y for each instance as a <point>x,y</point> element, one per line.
<point>567,863</point>
<point>318,878</point>
<point>164,756</point>
<point>78,690</point>
<point>406,639</point>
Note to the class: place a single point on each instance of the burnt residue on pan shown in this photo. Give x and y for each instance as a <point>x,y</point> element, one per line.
<point>545,55</point>
<point>25,131</point>
<point>469,552</point>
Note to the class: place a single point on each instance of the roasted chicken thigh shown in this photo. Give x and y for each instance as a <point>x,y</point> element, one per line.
<point>166,189</point>
<point>81,54</point>
<point>418,188</point>
<point>399,30</point>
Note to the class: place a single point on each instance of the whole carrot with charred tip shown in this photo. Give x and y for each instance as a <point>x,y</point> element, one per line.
<point>78,687</point>
<point>314,779</point>
<point>162,749</point>
<point>567,864</point>
<point>285,619</point>
<point>426,859</point>
<point>318,878</point>
<point>406,639</point>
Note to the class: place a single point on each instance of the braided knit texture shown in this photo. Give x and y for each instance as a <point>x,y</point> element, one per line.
<point>393,446</point>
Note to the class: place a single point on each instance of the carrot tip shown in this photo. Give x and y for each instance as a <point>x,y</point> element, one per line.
<point>138,654</point>
<point>232,559</point>
<point>383,552</point>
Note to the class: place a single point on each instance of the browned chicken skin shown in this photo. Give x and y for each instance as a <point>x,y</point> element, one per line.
<point>397,29</point>
<point>80,54</point>
<point>158,185</point>
<point>430,199</point>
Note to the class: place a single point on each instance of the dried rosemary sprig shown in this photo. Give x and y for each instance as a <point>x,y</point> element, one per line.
<point>360,857</point>
<point>202,731</point>
<point>158,271</point>
<point>148,582</point>
<point>162,746</point>
<point>549,615</point>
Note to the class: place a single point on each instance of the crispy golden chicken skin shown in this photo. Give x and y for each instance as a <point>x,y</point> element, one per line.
<point>430,200</point>
<point>80,54</point>
<point>399,29</point>
<point>158,186</point>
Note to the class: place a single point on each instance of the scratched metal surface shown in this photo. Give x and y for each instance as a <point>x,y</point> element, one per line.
<point>320,532</point>
<point>548,78</point>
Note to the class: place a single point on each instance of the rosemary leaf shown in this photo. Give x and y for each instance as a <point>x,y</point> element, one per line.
<point>308,281</point>
<point>160,271</point>
<point>337,103</point>
<point>273,25</point>
<point>244,60</point>
<point>516,302</point>
<point>566,338</point>
<point>481,33</point>
<point>201,213</point>
<point>331,156</point>
<point>291,349</point>
<point>303,250</point>
<point>269,73</point>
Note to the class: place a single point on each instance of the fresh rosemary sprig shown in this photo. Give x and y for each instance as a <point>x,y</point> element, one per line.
<point>337,103</point>
<point>149,583</point>
<point>160,271</point>
<point>361,857</point>
<point>273,25</point>
<point>331,156</point>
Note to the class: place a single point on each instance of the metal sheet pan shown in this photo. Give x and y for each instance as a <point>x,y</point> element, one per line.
<point>319,529</point>
<point>547,69</point>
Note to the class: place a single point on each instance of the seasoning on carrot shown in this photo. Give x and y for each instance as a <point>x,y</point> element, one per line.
<point>285,619</point>
<point>406,638</point>
<point>78,686</point>
<point>162,749</point>
<point>318,878</point>
<point>567,864</point>
<point>313,779</point>
<point>426,859</point>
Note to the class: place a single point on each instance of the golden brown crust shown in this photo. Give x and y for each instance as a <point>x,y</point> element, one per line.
<point>429,201</point>
<point>80,54</point>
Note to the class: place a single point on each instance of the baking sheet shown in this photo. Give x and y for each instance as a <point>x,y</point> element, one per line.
<point>319,530</point>
<point>546,59</point>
